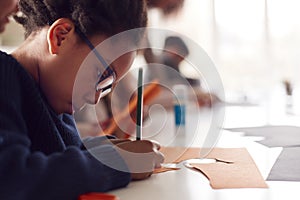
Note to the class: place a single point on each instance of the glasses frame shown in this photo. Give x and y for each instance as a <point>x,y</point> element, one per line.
<point>108,70</point>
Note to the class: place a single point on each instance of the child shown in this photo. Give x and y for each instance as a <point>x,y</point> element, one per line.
<point>41,154</point>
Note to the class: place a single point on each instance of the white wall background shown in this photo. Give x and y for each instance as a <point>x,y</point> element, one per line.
<point>254,43</point>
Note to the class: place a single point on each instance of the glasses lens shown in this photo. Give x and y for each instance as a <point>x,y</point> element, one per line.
<point>105,92</point>
<point>102,93</point>
<point>105,83</point>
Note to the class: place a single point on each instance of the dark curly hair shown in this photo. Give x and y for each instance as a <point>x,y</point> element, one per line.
<point>91,17</point>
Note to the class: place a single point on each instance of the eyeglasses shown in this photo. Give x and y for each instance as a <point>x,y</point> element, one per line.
<point>106,78</point>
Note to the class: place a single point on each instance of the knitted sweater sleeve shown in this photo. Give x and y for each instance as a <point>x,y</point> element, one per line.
<point>33,175</point>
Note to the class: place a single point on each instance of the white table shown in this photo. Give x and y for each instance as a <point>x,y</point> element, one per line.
<point>192,185</point>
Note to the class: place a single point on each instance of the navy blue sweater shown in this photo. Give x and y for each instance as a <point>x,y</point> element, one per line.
<point>41,154</point>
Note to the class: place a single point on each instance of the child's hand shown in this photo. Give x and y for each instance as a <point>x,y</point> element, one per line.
<point>141,157</point>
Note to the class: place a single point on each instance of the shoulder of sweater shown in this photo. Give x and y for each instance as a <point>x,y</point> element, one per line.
<point>9,63</point>
<point>14,74</point>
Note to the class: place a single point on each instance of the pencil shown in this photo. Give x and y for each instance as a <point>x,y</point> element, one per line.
<point>139,113</point>
<point>150,92</point>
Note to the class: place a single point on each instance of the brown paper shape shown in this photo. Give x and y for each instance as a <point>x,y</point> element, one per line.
<point>234,168</point>
<point>164,169</point>
<point>179,154</point>
<point>241,173</point>
<point>176,155</point>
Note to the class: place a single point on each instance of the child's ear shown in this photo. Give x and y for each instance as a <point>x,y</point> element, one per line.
<point>58,32</point>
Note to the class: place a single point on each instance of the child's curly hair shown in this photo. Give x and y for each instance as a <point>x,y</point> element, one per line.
<point>91,17</point>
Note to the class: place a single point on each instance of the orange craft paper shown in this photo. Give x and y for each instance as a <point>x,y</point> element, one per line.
<point>240,171</point>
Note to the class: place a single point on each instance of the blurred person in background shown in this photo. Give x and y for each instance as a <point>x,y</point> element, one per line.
<point>7,8</point>
<point>174,52</point>
<point>166,6</point>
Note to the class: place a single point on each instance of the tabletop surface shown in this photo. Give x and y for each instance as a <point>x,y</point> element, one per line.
<point>189,184</point>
